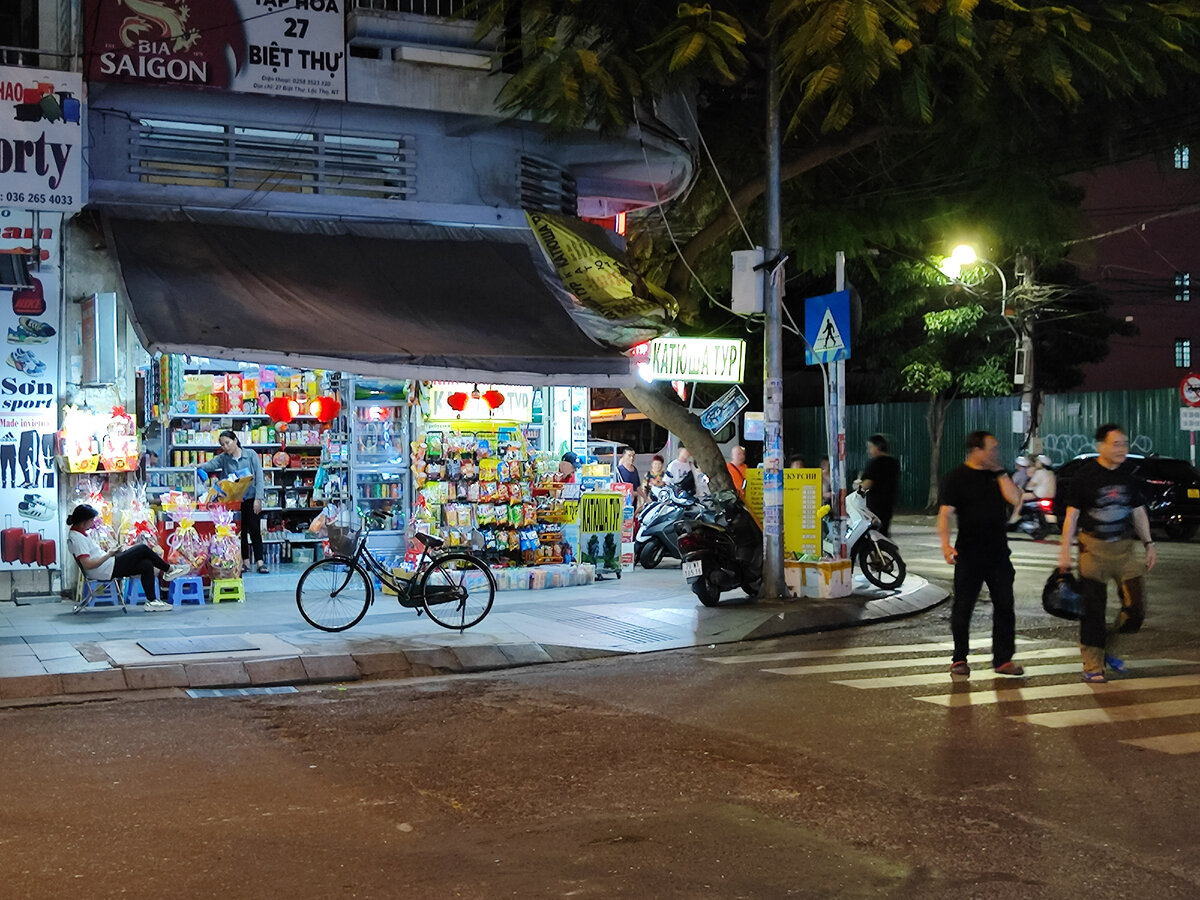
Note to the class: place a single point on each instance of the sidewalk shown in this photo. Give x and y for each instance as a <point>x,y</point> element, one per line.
<point>46,651</point>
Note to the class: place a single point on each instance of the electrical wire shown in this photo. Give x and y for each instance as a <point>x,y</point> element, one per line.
<point>721,181</point>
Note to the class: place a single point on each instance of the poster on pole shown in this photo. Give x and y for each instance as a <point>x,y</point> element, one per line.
<point>288,48</point>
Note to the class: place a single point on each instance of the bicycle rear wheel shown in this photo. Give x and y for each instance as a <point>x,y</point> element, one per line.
<point>457,590</point>
<point>333,594</point>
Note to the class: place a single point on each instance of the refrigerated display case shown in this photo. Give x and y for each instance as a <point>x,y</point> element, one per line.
<point>379,459</point>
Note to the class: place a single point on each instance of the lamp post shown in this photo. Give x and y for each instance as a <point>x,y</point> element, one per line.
<point>963,256</point>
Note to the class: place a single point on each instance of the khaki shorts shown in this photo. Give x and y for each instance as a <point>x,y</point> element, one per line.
<point>1106,561</point>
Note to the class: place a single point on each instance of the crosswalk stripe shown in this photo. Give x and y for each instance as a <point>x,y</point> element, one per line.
<point>1072,718</point>
<point>1025,693</point>
<point>1175,744</point>
<point>926,563</point>
<point>911,663</point>
<point>854,651</point>
<point>924,679</point>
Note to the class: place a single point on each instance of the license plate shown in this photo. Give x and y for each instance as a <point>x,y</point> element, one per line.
<point>693,568</point>
<point>1194,493</point>
<point>1051,519</point>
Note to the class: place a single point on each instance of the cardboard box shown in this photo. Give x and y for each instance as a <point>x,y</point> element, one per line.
<point>821,578</point>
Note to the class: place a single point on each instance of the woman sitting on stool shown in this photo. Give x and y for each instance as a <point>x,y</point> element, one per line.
<point>138,560</point>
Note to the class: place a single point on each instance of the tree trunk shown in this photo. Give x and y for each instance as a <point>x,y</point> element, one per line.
<point>935,419</point>
<point>662,406</point>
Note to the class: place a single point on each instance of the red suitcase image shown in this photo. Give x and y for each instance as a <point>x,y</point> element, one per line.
<point>29,548</point>
<point>47,553</point>
<point>11,541</point>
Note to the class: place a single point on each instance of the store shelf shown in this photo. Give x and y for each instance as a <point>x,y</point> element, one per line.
<point>245,446</point>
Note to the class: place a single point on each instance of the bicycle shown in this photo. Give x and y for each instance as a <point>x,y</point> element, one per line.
<point>455,588</point>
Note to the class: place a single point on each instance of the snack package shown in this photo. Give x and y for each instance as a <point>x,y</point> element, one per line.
<point>433,445</point>
<point>225,549</point>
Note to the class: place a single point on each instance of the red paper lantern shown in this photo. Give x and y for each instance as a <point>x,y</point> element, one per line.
<point>457,401</point>
<point>324,409</point>
<point>493,398</point>
<point>282,409</point>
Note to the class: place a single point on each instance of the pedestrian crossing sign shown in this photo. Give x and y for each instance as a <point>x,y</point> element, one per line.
<point>827,328</point>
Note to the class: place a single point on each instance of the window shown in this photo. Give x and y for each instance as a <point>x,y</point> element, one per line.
<point>1183,156</point>
<point>1183,287</point>
<point>1183,353</point>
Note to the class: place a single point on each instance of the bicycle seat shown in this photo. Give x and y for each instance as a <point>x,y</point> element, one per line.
<point>429,541</point>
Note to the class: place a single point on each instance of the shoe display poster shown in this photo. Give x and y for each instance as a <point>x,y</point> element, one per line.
<point>288,48</point>
<point>41,143</point>
<point>29,379</point>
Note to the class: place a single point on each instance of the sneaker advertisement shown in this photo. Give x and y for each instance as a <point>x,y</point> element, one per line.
<point>30,248</point>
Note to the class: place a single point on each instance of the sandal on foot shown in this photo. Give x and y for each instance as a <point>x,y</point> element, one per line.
<point>263,569</point>
<point>1010,668</point>
<point>960,667</point>
<point>1117,665</point>
<point>1094,677</point>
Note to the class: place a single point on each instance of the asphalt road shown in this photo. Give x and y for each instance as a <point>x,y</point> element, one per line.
<point>844,764</point>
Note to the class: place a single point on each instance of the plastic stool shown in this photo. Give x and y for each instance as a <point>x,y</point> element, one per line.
<point>97,592</point>
<point>188,589</point>
<point>134,594</point>
<point>228,589</point>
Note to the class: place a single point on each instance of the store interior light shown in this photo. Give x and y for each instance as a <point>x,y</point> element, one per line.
<point>475,392</point>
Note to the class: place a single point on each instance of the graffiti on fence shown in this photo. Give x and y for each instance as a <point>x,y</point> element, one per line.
<point>1062,447</point>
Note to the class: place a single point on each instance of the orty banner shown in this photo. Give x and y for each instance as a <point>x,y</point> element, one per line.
<point>41,162</point>
<point>29,318</point>
<point>291,48</point>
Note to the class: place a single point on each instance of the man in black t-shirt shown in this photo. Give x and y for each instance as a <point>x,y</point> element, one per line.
<point>881,481</point>
<point>978,494</point>
<point>1105,505</point>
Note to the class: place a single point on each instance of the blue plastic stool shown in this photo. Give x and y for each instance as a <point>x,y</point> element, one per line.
<point>134,595</point>
<point>188,589</point>
<point>93,593</point>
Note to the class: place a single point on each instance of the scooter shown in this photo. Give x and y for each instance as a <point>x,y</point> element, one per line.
<point>722,552</point>
<point>1037,519</point>
<point>875,554</point>
<point>660,524</point>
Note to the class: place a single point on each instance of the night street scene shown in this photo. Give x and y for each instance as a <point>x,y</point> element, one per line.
<point>589,448</point>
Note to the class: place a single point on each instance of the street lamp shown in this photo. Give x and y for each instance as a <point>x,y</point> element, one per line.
<point>964,255</point>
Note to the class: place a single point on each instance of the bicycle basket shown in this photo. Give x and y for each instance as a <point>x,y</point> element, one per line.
<point>342,540</point>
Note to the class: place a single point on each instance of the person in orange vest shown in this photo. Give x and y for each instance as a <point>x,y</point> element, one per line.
<point>737,470</point>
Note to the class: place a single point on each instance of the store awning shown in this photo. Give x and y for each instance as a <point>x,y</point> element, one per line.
<point>430,302</point>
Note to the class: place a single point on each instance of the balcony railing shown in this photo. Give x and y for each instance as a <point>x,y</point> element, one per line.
<point>444,9</point>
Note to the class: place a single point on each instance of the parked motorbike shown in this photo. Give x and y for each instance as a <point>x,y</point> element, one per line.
<point>875,554</point>
<point>1037,519</point>
<point>660,524</point>
<point>722,551</point>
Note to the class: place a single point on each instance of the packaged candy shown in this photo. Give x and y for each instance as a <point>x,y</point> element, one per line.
<point>433,445</point>
<point>473,491</point>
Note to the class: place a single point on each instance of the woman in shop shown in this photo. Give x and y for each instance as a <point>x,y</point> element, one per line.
<point>627,472</point>
<point>229,462</point>
<point>100,565</point>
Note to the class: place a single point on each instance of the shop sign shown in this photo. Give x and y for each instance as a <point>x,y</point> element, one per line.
<point>41,162</point>
<point>29,384</point>
<point>517,405</point>
<point>288,48</point>
<point>728,405</point>
<point>707,360</point>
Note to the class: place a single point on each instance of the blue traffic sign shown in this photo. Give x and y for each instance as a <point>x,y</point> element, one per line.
<point>827,328</point>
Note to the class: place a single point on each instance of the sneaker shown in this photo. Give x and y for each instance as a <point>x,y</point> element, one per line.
<point>21,336</point>
<point>1117,665</point>
<point>157,606</point>
<point>177,571</point>
<point>960,667</point>
<point>24,361</point>
<point>40,331</point>
<point>1010,668</point>
<point>35,510</point>
<point>1094,677</point>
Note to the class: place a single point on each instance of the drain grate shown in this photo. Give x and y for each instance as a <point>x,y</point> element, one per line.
<point>606,625</point>
<point>195,693</point>
<point>182,645</point>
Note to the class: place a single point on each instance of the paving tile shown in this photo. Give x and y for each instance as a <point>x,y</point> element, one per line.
<point>73,664</point>
<point>54,650</point>
<point>19,666</point>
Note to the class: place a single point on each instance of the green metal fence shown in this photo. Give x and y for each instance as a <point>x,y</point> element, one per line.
<point>1151,418</point>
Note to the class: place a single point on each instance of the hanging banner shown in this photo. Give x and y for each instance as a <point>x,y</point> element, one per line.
<point>41,159</point>
<point>289,48</point>
<point>29,390</point>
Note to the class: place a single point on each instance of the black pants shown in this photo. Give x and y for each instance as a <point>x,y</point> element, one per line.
<point>971,572</point>
<point>29,457</point>
<point>140,560</point>
<point>8,464</point>
<point>251,533</point>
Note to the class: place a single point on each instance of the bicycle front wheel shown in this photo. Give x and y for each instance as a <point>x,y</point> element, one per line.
<point>457,590</point>
<point>333,594</point>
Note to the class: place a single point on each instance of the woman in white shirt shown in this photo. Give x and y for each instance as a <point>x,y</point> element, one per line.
<point>103,565</point>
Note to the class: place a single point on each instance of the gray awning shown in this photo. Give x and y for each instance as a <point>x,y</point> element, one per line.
<point>377,299</point>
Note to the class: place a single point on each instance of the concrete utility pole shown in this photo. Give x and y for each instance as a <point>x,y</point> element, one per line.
<point>773,581</point>
<point>1029,404</point>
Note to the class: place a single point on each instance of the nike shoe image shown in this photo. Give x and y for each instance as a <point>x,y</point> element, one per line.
<point>39,330</point>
